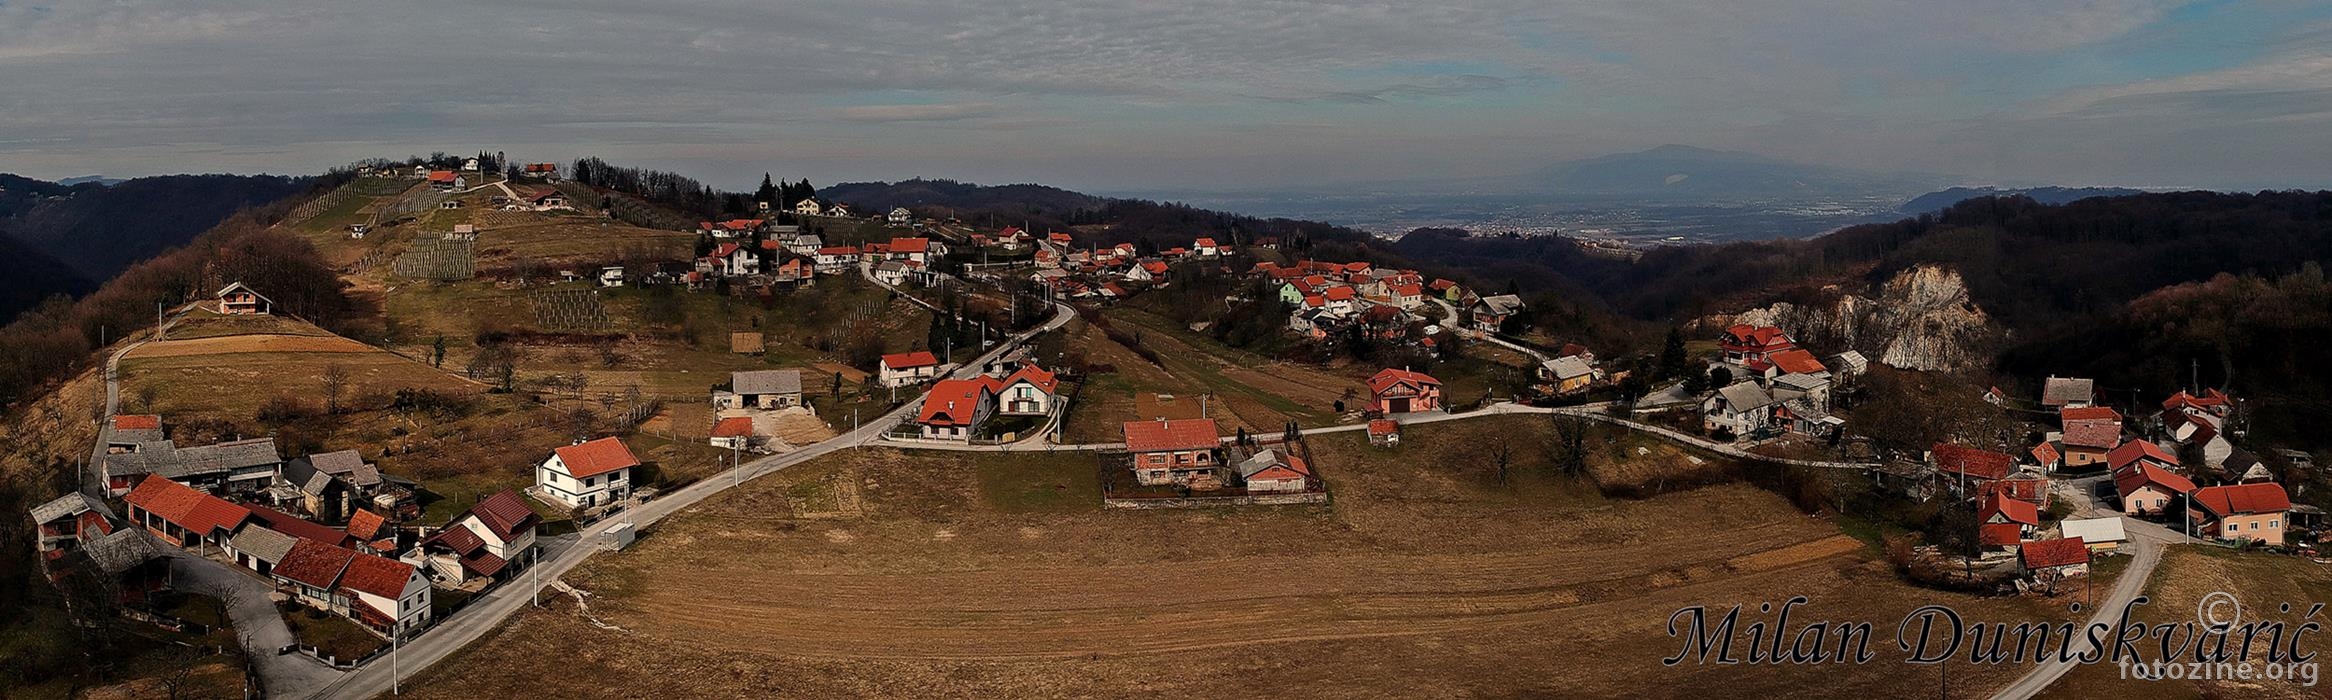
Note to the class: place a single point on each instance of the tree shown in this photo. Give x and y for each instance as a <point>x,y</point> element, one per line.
<point>1567,443</point>
<point>1672,358</point>
<point>335,384</point>
<point>1499,448</point>
<point>1720,377</point>
<point>437,352</point>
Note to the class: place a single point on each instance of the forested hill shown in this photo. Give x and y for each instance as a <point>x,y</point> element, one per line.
<point>94,231</point>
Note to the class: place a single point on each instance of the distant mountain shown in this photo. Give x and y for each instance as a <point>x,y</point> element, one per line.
<point>68,238</point>
<point>1940,200</point>
<point>92,179</point>
<point>1674,171</point>
<point>949,194</point>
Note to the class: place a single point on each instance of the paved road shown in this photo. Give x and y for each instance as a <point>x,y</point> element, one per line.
<point>487,613</point>
<point>2147,542</point>
<point>259,627</point>
<point>92,476</point>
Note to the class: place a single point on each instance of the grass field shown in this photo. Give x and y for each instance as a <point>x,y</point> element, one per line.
<point>2261,582</point>
<point>961,576</point>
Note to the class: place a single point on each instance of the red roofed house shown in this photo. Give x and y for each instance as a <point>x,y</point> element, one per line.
<point>1965,466</point>
<point>2090,433</point>
<point>236,299</point>
<point>1206,248</point>
<point>1403,391</point>
<point>1752,346</point>
<point>310,571</point>
<point>1999,509</point>
<point>1275,471</point>
<point>2033,490</point>
<point>916,249</point>
<point>907,368</point>
<point>1172,451</point>
<point>2147,489</point>
<point>587,474</point>
<point>2136,451</point>
<point>1793,361</point>
<point>2241,512</point>
<point>2046,455</point>
<point>1408,296</point>
<point>733,433</point>
<point>491,538</point>
<point>180,515</point>
<point>387,595</point>
<point>1383,432</point>
<point>956,408</point>
<point>2064,556</point>
<point>130,431</point>
<point>1027,392</point>
<point>835,259</point>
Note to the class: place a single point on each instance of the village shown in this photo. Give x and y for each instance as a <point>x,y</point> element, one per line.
<point>331,532</point>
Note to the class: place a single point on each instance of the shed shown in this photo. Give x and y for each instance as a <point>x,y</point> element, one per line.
<point>747,343</point>
<point>2100,534</point>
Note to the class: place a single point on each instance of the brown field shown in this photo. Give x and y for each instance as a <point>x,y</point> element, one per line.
<point>1244,389</point>
<point>965,576</point>
<point>241,344</point>
<point>2261,582</point>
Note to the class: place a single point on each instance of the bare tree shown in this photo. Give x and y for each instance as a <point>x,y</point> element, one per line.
<point>335,384</point>
<point>1499,447</point>
<point>146,394</point>
<point>1567,443</point>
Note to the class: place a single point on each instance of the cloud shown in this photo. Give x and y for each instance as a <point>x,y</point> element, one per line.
<point>882,114</point>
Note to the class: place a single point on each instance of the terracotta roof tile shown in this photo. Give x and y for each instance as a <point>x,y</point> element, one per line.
<point>1166,435</point>
<point>2063,551</point>
<point>596,457</point>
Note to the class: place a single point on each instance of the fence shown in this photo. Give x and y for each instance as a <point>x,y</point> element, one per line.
<point>319,205</point>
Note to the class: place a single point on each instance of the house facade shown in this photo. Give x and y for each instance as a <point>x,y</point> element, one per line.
<point>235,299</point>
<point>907,368</point>
<point>2241,512</point>
<point>1173,451</point>
<point>956,408</point>
<point>1403,391</point>
<point>587,474</point>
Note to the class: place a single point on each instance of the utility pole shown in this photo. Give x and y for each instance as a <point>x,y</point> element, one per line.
<point>534,570</point>
<point>395,688</point>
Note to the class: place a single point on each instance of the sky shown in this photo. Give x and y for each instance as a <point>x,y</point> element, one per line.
<point>1161,95</point>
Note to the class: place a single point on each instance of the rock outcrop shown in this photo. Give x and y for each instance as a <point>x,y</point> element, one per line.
<point>1922,319</point>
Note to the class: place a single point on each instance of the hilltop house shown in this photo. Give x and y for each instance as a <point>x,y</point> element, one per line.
<point>494,537</point>
<point>236,299</point>
<point>807,207</point>
<point>587,474</point>
<point>956,408</point>
<point>2240,512</point>
<point>1173,451</point>
<point>1753,347</point>
<point>902,369</point>
<point>1403,391</point>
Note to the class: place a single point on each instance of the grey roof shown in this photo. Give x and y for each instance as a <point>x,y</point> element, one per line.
<point>302,474</point>
<point>265,544</point>
<point>807,239</point>
<point>766,381</point>
<point>2058,391</point>
<point>67,506</point>
<point>1569,366</point>
<point>121,551</point>
<point>348,465</point>
<point>1261,461</point>
<point>890,266</point>
<point>172,462</point>
<point>1851,361</point>
<point>1502,304</point>
<point>1800,381</point>
<point>1745,396</point>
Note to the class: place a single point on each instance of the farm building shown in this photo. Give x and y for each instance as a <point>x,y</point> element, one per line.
<point>1275,471</point>
<point>182,516</point>
<point>767,388</point>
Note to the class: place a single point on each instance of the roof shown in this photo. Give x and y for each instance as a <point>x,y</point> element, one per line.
<point>1962,459</point>
<point>2000,534</point>
<point>293,525</point>
<point>766,381</point>
<point>379,576</point>
<point>315,564</point>
<point>1165,435</point>
<point>2128,481</point>
<point>1044,380</point>
<point>169,460</point>
<point>910,360</point>
<point>2242,499</point>
<point>2034,491</point>
<point>954,401</point>
<point>121,551</point>
<point>2095,427</point>
<point>441,176</point>
<point>2046,453</point>
<point>1339,293</point>
<point>2094,530</point>
<point>2019,512</point>
<point>735,426</point>
<point>68,506</point>
<point>186,507</point>
<point>1851,361</point>
<point>504,513</point>
<point>1800,381</point>
<point>367,525</point>
<point>2045,554</point>
<point>2058,391</point>
<point>1502,304</point>
<point>1383,426</point>
<point>1569,366</point>
<point>838,250</point>
<point>266,544</point>
<point>1389,377</point>
<point>346,464</point>
<point>1742,396</point>
<point>910,245</point>
<point>137,422</point>
<point>596,457</point>
<point>2134,450</point>
<point>2211,398</point>
<point>1271,459</point>
<point>1745,334</point>
<point>1797,361</point>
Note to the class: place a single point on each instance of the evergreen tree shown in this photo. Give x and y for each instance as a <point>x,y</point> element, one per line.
<point>767,192</point>
<point>1672,359</point>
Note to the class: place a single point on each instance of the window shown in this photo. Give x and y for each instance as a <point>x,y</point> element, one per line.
<point>2274,523</point>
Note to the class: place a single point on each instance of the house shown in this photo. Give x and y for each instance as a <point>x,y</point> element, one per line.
<point>260,548</point>
<point>1403,391</point>
<point>239,465</point>
<point>1273,470</point>
<point>319,494</point>
<point>733,433</point>
<point>1407,296</point>
<point>838,210</point>
<point>2002,536</point>
<point>236,299</point>
<point>807,207</point>
<point>1813,388</point>
<point>891,272</point>
<point>899,216</point>
<point>1172,451</point>
<point>1753,346</point>
<point>2144,488</point>
<point>387,595</point>
<point>587,474</point>
<point>1027,391</point>
<point>181,515</point>
<point>134,563</point>
<point>548,200</point>
<point>1491,313</point>
<point>373,530</point>
<point>737,260</point>
<point>611,276</point>
<point>2061,557</point>
<point>1792,361</point>
<point>2046,456</point>
<point>732,228</point>
<point>1742,409</point>
<point>902,369</point>
<point>2139,451</point>
<point>1967,467</point>
<point>1850,363</point>
<point>835,259</point>
<point>444,180</point>
<point>956,408</point>
<point>1384,432</point>
<point>1999,509</point>
<point>2098,534</point>
<point>767,388</point>
<point>1570,373</point>
<point>2211,402</point>
<point>484,541</point>
<point>2062,392</point>
<point>2240,512</point>
<point>542,171</point>
<point>1206,248</point>
<point>2090,432</point>
<point>915,249</point>
<point>450,204</point>
<point>126,432</point>
<point>68,522</point>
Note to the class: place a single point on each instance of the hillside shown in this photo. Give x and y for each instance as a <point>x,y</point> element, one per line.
<point>1940,200</point>
<point>92,230</point>
<point>33,276</point>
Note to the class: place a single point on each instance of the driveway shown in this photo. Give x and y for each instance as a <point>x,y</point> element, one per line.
<point>259,626</point>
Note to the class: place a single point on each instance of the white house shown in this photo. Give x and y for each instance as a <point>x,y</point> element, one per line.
<point>1742,408</point>
<point>611,276</point>
<point>737,260</point>
<point>900,216</point>
<point>1027,392</point>
<point>807,207</point>
<point>494,536</point>
<point>587,474</point>
<point>956,408</point>
<point>902,369</point>
<point>804,244</point>
<point>386,590</point>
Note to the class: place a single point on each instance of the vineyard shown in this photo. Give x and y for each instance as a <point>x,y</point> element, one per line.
<point>568,310</point>
<point>443,260</point>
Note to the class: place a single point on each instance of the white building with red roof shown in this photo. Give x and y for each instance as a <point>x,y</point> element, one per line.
<point>1172,451</point>
<point>956,408</point>
<point>1027,392</point>
<point>907,368</point>
<point>2241,511</point>
<point>587,474</point>
<point>492,538</point>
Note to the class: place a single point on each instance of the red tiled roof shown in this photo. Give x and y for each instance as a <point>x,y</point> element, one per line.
<point>1389,377</point>
<point>910,245</point>
<point>504,513</point>
<point>137,422</point>
<point>2095,427</point>
<point>2128,481</point>
<point>1383,426</point>
<point>953,401</point>
<point>2045,454</point>
<point>1165,435</point>
<point>596,457</point>
<point>1797,361</point>
<point>1757,336</point>
<point>1340,293</point>
<point>2088,413</point>
<point>838,250</point>
<point>1203,243</point>
<point>182,505</point>
<point>2000,534</point>
<point>910,360</point>
<point>2243,499</point>
<point>441,176</point>
<point>2208,399</point>
<point>1407,290</point>
<point>459,539</point>
<point>2135,450</point>
<point>366,525</point>
<point>1038,376</point>
<point>2034,491</point>
<point>2063,551</point>
<point>379,576</point>
<point>1962,459</point>
<point>293,525</point>
<point>314,563</point>
<point>736,426</point>
<point>2020,512</point>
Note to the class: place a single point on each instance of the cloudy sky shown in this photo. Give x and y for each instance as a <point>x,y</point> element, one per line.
<point>1123,95</point>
